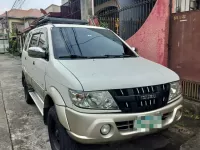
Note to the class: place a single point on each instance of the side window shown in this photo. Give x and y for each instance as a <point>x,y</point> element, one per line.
<point>34,40</point>
<point>27,42</point>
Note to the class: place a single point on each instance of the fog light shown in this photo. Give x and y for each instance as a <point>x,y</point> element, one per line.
<point>178,114</point>
<point>105,129</point>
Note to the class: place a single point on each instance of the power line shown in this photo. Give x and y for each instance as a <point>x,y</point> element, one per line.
<point>20,7</point>
<point>18,4</point>
<point>14,4</point>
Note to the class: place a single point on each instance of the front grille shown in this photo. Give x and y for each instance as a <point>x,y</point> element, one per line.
<point>125,125</point>
<point>142,99</point>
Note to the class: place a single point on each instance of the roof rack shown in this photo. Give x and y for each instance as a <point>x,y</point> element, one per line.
<point>53,20</point>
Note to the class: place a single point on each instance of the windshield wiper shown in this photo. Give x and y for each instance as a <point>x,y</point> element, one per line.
<point>118,56</point>
<point>73,56</point>
<point>95,57</point>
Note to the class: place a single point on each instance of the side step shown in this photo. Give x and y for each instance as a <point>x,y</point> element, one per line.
<point>38,101</point>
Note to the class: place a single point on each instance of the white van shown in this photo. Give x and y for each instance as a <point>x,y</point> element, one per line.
<point>91,87</point>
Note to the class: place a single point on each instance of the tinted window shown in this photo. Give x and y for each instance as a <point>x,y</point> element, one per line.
<point>87,42</point>
<point>34,40</point>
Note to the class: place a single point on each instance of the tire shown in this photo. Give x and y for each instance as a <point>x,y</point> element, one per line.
<point>59,139</point>
<point>28,98</point>
<point>23,79</point>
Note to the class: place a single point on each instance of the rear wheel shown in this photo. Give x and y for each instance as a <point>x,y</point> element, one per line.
<point>58,136</point>
<point>28,98</point>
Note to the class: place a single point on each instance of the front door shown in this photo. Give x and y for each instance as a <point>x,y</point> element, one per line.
<point>27,61</point>
<point>39,65</point>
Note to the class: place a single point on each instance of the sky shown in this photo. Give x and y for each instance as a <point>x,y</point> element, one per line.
<point>7,4</point>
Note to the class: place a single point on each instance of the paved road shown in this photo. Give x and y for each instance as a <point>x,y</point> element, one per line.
<point>22,128</point>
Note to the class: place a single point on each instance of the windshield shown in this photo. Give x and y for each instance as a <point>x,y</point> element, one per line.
<point>85,43</point>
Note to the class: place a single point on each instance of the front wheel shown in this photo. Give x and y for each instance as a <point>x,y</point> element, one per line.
<point>58,136</point>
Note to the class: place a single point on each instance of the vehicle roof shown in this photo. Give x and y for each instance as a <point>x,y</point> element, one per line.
<point>75,25</point>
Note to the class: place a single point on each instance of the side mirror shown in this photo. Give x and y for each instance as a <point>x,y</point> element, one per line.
<point>135,49</point>
<point>36,52</point>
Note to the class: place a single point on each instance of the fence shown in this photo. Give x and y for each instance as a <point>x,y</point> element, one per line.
<point>128,20</point>
<point>191,90</point>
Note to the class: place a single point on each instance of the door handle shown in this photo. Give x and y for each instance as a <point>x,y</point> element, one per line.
<point>25,58</point>
<point>33,62</point>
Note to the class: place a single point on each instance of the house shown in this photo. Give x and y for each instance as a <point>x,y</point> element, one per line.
<point>18,20</point>
<point>53,8</point>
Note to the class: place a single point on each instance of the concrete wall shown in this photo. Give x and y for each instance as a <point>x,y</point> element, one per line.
<point>152,38</point>
<point>3,46</point>
<point>86,9</point>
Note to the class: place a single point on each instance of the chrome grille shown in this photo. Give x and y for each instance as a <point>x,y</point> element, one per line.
<point>142,99</point>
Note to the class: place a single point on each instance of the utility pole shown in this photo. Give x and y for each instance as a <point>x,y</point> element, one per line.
<point>92,8</point>
<point>7,29</point>
<point>86,9</point>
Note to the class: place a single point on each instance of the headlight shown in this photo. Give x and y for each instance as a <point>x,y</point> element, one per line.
<point>101,100</point>
<point>175,90</point>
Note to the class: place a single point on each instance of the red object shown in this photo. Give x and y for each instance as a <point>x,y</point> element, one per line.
<point>94,21</point>
<point>43,12</point>
<point>152,38</point>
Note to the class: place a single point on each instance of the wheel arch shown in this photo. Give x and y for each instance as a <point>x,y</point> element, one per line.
<point>54,98</point>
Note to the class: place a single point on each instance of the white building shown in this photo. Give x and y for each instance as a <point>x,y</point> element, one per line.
<point>53,8</point>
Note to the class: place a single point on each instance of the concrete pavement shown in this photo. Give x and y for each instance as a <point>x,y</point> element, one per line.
<point>25,129</point>
<point>4,129</point>
<point>22,127</point>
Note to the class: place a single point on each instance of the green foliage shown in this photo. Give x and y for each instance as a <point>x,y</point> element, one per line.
<point>13,34</point>
<point>104,24</point>
<point>13,46</point>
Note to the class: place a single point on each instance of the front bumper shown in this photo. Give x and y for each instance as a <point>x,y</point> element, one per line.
<point>85,128</point>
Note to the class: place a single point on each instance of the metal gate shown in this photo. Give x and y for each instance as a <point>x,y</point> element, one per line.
<point>128,20</point>
<point>3,45</point>
<point>184,52</point>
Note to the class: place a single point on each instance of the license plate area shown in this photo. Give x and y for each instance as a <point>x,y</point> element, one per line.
<point>146,123</point>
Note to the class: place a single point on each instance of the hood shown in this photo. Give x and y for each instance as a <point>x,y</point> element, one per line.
<point>118,73</point>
